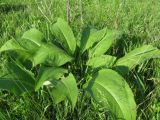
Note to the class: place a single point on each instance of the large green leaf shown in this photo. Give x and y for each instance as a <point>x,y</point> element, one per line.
<point>29,43</point>
<point>49,74</point>
<point>52,55</point>
<point>100,61</point>
<point>90,37</point>
<point>66,88</point>
<point>18,80</point>
<point>11,45</point>
<point>136,57</point>
<point>104,44</point>
<point>110,90</point>
<point>32,40</point>
<point>15,85</point>
<point>34,35</point>
<point>20,72</point>
<point>64,34</point>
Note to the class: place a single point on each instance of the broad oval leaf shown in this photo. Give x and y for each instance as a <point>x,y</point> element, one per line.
<point>90,37</point>
<point>19,79</point>
<point>64,33</point>
<point>110,90</point>
<point>19,71</point>
<point>29,43</point>
<point>11,45</point>
<point>52,55</point>
<point>34,35</point>
<point>101,61</point>
<point>136,57</point>
<point>66,88</point>
<point>104,44</point>
<point>49,74</point>
<point>32,40</point>
<point>15,86</point>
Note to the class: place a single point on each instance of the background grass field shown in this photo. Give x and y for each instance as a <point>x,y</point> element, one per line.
<point>139,20</point>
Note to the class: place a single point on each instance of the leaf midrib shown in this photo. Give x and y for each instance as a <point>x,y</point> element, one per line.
<point>130,57</point>
<point>109,91</point>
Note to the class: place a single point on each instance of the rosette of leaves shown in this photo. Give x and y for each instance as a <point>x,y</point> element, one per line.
<point>66,65</point>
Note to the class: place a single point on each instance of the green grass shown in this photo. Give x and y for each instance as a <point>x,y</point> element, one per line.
<point>140,22</point>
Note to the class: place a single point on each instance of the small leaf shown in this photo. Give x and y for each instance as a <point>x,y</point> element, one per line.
<point>49,74</point>
<point>135,57</point>
<point>104,44</point>
<point>64,33</point>
<point>110,90</point>
<point>52,55</point>
<point>103,60</point>
<point>66,88</point>
<point>90,37</point>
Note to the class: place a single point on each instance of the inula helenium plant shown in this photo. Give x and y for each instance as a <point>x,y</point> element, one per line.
<point>66,66</point>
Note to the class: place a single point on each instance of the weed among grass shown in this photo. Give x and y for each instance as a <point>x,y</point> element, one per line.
<point>139,23</point>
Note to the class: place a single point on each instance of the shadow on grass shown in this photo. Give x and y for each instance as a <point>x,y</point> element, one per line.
<point>125,43</point>
<point>6,8</point>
